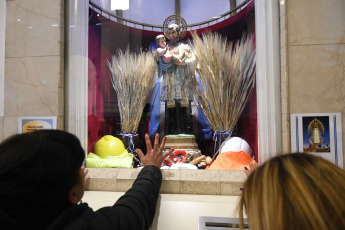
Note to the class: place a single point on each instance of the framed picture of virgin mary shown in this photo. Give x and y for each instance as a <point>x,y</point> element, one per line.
<point>319,134</point>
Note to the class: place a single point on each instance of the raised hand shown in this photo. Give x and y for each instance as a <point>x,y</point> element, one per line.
<point>252,166</point>
<point>154,156</point>
<point>85,173</point>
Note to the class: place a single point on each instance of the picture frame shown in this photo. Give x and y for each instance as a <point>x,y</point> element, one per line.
<point>32,123</point>
<point>319,134</point>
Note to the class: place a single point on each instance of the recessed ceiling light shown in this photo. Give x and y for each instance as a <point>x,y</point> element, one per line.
<point>119,4</point>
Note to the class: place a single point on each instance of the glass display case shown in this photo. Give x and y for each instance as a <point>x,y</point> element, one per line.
<point>136,29</point>
<point>109,31</point>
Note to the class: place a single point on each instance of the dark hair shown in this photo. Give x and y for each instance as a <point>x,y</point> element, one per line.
<point>159,37</point>
<point>174,26</point>
<point>37,171</point>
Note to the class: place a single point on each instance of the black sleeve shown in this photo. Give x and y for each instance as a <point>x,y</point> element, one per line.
<point>136,208</point>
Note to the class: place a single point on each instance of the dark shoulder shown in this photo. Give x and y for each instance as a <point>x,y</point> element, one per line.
<point>78,217</point>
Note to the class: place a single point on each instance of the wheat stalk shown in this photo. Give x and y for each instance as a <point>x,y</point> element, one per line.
<point>133,77</point>
<point>226,78</point>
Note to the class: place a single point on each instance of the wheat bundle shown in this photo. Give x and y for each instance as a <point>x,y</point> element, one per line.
<point>226,78</point>
<point>133,77</point>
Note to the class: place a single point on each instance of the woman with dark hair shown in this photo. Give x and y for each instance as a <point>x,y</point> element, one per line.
<point>42,182</point>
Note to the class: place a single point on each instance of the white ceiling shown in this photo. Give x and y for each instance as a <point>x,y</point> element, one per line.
<point>156,11</point>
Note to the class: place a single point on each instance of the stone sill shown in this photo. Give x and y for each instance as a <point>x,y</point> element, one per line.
<point>175,181</point>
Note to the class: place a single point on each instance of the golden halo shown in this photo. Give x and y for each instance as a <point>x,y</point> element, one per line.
<point>179,21</point>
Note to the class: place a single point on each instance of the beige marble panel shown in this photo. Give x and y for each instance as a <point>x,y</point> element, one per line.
<point>315,22</point>
<point>171,174</point>
<point>317,78</point>
<point>232,176</point>
<point>10,126</point>
<point>171,181</point>
<point>282,16</point>
<point>285,122</point>
<point>130,174</point>
<point>286,142</point>
<point>200,182</point>
<point>102,179</point>
<point>103,172</point>
<point>33,28</point>
<point>284,87</point>
<point>199,175</point>
<point>231,181</point>
<point>286,132</point>
<point>200,187</point>
<point>224,182</point>
<point>171,187</point>
<point>62,73</point>
<point>343,132</point>
<point>283,56</point>
<point>61,102</point>
<point>283,40</point>
<point>61,122</point>
<point>232,189</point>
<point>62,54</point>
<point>31,86</point>
<point>126,178</point>
<point>124,184</point>
<point>101,184</point>
<point>1,128</point>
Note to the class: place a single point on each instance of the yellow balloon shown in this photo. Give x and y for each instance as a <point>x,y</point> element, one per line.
<point>109,145</point>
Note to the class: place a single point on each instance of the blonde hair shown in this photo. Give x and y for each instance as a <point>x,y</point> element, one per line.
<point>294,191</point>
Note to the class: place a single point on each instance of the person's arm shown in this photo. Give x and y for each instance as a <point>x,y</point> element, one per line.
<point>136,208</point>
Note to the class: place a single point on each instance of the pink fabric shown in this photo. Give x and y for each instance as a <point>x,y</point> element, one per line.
<point>167,56</point>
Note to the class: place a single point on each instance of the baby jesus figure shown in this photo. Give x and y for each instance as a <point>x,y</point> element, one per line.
<point>166,53</point>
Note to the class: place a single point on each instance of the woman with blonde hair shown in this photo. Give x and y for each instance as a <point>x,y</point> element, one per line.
<point>294,191</point>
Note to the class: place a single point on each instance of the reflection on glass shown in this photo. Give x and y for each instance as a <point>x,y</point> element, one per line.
<point>137,29</point>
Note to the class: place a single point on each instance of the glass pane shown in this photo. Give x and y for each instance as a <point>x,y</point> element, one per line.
<point>137,29</point>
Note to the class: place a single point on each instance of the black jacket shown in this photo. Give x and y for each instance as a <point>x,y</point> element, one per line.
<point>134,210</point>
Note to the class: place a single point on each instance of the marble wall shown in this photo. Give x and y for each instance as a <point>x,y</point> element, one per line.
<point>313,58</point>
<point>2,63</point>
<point>183,181</point>
<point>34,62</point>
<point>284,80</point>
